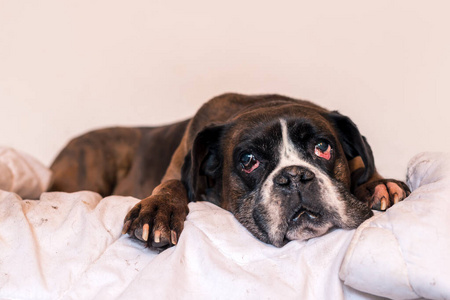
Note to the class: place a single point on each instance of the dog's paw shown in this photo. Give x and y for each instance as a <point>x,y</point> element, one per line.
<point>383,193</point>
<point>157,221</point>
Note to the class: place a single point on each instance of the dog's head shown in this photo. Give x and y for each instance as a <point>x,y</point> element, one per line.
<point>282,170</point>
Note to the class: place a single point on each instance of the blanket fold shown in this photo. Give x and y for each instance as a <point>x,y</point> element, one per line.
<point>402,253</point>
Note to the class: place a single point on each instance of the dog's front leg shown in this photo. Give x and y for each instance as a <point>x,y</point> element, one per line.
<point>159,219</point>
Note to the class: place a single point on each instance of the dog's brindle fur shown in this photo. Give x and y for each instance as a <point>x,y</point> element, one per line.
<point>196,160</point>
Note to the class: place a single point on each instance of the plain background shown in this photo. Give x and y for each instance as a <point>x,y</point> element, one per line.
<point>70,66</point>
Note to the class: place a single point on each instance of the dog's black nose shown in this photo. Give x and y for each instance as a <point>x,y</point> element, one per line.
<point>293,175</point>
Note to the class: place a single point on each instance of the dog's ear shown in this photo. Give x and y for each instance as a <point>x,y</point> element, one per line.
<point>354,145</point>
<point>202,169</point>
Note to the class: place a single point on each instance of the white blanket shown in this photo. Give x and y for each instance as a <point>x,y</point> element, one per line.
<point>404,253</point>
<point>69,246</point>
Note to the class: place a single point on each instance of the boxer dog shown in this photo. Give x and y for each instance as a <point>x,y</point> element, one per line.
<point>287,169</point>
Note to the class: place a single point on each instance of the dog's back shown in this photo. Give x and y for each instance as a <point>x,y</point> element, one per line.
<point>119,160</point>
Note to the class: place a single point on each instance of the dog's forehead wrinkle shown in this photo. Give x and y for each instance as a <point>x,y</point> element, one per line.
<point>262,138</point>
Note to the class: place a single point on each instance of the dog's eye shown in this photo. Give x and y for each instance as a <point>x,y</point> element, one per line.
<point>249,163</point>
<point>323,150</point>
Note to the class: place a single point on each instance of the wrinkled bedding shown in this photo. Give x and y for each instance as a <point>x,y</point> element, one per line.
<point>404,252</point>
<point>69,246</point>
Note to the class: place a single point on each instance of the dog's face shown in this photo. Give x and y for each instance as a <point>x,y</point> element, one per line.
<point>282,171</point>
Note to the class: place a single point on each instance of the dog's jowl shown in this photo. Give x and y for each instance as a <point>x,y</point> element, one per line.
<point>287,169</point>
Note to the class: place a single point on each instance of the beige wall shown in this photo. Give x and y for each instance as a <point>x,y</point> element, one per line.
<point>70,66</point>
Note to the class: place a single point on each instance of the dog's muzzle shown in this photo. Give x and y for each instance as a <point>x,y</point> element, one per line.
<point>293,177</point>
<point>295,182</point>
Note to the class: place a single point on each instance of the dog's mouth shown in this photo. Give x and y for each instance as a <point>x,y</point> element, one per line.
<point>304,212</point>
<point>304,218</point>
